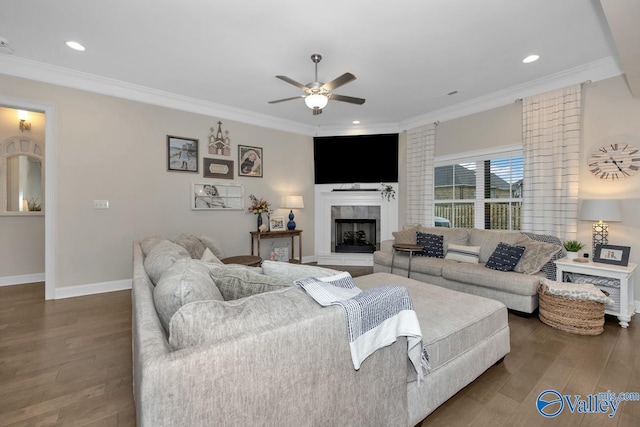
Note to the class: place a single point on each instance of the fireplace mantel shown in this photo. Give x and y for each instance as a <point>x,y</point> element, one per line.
<point>326,197</point>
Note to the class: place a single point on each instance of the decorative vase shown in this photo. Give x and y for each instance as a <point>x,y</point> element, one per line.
<point>572,255</point>
<point>259,221</point>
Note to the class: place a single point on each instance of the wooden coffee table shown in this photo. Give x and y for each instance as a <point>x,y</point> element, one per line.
<point>405,247</point>
<point>250,260</point>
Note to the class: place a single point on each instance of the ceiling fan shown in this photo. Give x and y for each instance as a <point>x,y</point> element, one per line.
<point>317,94</point>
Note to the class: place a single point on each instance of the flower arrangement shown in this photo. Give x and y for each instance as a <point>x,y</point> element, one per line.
<point>259,206</point>
<point>387,191</point>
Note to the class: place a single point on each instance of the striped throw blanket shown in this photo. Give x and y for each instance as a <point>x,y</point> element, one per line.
<point>375,317</point>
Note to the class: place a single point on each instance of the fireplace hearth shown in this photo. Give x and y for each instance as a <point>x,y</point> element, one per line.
<point>355,236</point>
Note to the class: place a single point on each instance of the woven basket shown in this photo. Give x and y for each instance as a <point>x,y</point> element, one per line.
<point>571,315</point>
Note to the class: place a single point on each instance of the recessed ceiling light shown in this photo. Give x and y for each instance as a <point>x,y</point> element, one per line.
<point>531,58</point>
<point>75,46</point>
<point>356,122</point>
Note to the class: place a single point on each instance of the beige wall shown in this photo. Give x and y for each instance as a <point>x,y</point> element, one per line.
<point>115,149</point>
<point>611,115</point>
<point>488,129</point>
<point>22,237</point>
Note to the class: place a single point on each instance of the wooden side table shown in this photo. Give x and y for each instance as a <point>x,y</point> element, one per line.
<point>405,247</point>
<point>257,236</point>
<point>622,273</point>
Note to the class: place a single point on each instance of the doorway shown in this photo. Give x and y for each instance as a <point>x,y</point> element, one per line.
<point>27,208</point>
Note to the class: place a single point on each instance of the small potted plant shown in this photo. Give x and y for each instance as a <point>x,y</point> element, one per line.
<point>572,247</point>
<point>387,191</point>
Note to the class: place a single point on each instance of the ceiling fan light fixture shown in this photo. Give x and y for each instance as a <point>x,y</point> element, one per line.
<point>316,101</point>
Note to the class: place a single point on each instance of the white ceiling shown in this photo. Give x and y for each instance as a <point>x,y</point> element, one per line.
<point>221,56</point>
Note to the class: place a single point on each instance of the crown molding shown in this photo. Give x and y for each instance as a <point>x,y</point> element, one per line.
<point>597,70</point>
<point>34,70</point>
<point>19,67</point>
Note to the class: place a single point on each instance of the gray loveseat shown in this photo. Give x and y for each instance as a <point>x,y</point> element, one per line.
<point>516,289</point>
<point>236,346</point>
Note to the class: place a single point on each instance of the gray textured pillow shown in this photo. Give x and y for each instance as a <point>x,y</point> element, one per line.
<point>451,236</point>
<point>289,272</point>
<point>150,242</point>
<point>488,240</point>
<point>406,235</point>
<point>535,256</point>
<point>238,281</point>
<point>212,245</point>
<point>210,322</point>
<point>192,244</point>
<point>187,280</point>
<point>161,257</point>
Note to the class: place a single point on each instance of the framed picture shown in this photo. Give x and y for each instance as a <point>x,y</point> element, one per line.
<point>182,154</point>
<point>250,162</point>
<point>610,254</point>
<point>206,196</point>
<point>217,168</point>
<point>276,223</point>
<point>280,254</point>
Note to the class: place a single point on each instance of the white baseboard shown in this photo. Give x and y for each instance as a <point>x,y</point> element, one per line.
<point>93,288</point>
<point>22,279</point>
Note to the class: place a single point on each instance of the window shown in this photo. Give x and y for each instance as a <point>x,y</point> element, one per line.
<point>483,192</point>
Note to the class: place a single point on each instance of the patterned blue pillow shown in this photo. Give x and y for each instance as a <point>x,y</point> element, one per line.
<point>505,257</point>
<point>433,245</point>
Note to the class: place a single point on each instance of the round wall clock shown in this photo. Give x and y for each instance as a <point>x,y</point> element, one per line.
<point>614,161</point>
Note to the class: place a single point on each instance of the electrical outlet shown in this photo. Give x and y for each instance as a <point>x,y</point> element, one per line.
<point>100,204</point>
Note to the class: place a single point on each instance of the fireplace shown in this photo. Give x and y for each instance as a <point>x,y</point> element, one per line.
<point>355,236</point>
<point>332,202</point>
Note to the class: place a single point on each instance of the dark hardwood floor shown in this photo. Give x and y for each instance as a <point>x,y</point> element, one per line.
<point>68,362</point>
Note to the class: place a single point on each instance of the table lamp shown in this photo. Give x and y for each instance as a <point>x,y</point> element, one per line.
<point>600,211</point>
<point>292,202</point>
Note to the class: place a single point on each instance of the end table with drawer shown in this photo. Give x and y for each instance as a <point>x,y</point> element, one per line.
<point>625,310</point>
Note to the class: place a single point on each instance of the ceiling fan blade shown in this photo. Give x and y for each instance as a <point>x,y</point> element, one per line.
<point>317,111</point>
<point>293,82</point>
<point>349,99</point>
<point>286,99</point>
<point>342,80</point>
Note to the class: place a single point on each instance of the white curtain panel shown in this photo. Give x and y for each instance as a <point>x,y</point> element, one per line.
<point>551,146</point>
<point>421,144</point>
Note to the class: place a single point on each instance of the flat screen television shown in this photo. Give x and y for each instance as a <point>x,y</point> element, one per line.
<point>355,159</point>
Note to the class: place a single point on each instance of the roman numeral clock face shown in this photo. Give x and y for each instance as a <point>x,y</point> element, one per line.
<point>614,161</point>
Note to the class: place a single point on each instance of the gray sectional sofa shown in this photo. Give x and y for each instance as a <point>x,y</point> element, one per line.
<point>230,345</point>
<point>516,289</point>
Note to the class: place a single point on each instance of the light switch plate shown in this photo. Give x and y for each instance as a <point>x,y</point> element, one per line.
<point>100,204</point>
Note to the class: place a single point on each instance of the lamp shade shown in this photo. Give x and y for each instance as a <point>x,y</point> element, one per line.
<point>316,101</point>
<point>601,210</point>
<point>293,202</point>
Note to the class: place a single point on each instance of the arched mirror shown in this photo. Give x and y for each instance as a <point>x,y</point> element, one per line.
<point>22,176</point>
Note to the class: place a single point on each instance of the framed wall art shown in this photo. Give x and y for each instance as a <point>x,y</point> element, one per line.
<point>182,154</point>
<point>216,196</point>
<point>277,223</point>
<point>611,254</point>
<point>217,168</point>
<point>250,161</point>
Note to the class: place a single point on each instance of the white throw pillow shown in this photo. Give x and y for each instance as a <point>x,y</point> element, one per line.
<point>461,253</point>
<point>208,256</point>
<point>290,272</point>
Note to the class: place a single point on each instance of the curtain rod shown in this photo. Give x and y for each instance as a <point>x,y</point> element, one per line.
<point>582,84</point>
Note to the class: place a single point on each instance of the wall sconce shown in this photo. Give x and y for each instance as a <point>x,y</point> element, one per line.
<point>292,202</point>
<point>600,211</point>
<point>24,124</point>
